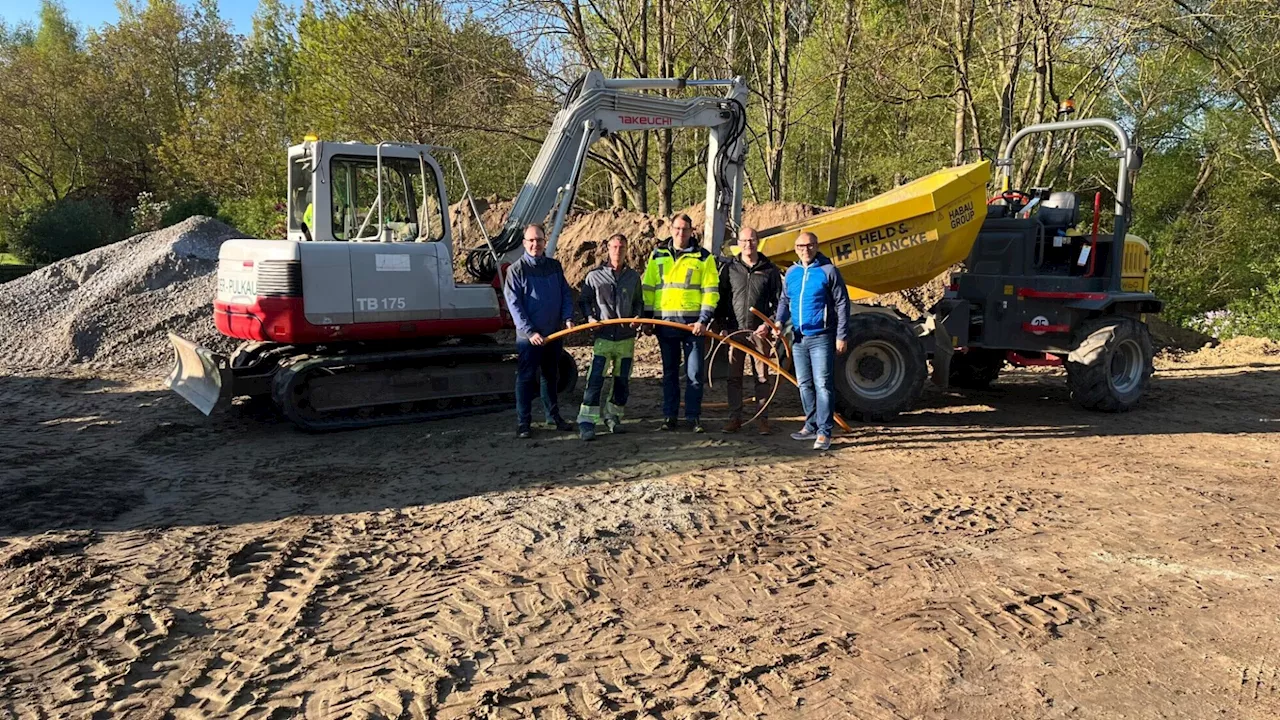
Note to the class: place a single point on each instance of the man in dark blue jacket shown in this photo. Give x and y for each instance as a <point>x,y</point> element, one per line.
<point>816,302</point>
<point>540,303</point>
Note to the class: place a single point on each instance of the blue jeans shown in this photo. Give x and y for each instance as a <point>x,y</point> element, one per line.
<point>536,365</point>
<point>675,345</point>
<point>815,369</point>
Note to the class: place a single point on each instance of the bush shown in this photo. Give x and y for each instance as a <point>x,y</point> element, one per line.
<point>63,228</point>
<point>261,217</point>
<point>180,210</point>
<point>148,214</point>
<point>1259,313</point>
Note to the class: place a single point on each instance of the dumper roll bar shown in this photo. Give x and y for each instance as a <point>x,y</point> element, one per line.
<point>1130,157</point>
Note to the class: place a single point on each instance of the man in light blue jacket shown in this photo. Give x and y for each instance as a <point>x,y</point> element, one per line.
<point>816,303</point>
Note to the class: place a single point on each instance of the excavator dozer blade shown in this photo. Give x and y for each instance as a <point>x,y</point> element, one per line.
<point>200,375</point>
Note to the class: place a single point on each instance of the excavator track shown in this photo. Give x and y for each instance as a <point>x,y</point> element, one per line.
<point>368,389</point>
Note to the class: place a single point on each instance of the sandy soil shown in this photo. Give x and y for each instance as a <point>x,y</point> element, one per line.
<point>996,555</point>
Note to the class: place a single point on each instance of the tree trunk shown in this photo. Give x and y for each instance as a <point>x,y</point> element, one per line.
<point>665,139</point>
<point>836,148</point>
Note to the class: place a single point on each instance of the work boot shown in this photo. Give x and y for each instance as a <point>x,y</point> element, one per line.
<point>804,434</point>
<point>522,432</point>
<point>734,426</point>
<point>695,424</point>
<point>764,427</point>
<point>559,424</point>
<point>614,425</point>
<point>822,443</point>
<point>669,425</point>
<point>587,431</point>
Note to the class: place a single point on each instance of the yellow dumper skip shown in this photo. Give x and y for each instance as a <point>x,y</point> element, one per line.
<point>899,239</point>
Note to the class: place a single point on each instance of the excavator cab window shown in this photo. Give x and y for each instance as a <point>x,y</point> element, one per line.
<point>301,196</point>
<point>410,211</point>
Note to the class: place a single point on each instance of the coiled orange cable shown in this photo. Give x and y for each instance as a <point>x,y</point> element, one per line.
<point>714,336</point>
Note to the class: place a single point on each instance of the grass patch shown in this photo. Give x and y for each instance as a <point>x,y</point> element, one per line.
<point>9,259</point>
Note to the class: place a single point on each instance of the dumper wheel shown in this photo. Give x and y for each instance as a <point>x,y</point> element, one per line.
<point>568,373</point>
<point>1111,366</point>
<point>884,370</point>
<point>976,369</point>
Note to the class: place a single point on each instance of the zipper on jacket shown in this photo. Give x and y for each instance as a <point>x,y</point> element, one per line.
<point>804,278</point>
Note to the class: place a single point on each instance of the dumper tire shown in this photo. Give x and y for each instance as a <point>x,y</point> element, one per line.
<point>567,373</point>
<point>1111,365</point>
<point>884,370</point>
<point>975,369</point>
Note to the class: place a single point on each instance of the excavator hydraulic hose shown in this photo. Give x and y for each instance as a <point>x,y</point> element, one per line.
<point>714,336</point>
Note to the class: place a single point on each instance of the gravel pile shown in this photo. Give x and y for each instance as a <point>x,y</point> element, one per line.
<point>110,308</point>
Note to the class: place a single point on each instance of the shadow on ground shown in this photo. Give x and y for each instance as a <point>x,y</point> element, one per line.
<point>97,454</point>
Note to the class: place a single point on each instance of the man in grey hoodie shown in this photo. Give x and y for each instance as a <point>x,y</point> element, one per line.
<point>610,291</point>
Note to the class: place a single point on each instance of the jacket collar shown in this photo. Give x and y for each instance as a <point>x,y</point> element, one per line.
<point>818,261</point>
<point>677,252</point>
<point>761,263</point>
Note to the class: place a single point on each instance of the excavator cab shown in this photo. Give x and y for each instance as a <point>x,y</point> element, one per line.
<point>353,192</point>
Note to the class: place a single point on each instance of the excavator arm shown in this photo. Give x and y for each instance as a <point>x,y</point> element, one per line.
<point>596,107</point>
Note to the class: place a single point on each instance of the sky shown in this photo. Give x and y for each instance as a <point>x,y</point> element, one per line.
<point>94,13</point>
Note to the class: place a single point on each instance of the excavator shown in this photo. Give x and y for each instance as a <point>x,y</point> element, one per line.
<point>355,319</point>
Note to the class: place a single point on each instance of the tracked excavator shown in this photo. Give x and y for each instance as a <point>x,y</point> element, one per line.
<point>356,320</point>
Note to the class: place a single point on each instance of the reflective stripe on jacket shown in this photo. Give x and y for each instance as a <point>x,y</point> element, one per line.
<point>681,286</point>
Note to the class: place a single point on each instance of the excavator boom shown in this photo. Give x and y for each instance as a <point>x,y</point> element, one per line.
<point>597,107</point>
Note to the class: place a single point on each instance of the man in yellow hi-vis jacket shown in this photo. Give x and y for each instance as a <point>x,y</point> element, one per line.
<point>682,284</point>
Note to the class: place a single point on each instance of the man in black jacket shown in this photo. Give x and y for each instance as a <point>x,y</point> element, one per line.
<point>749,281</point>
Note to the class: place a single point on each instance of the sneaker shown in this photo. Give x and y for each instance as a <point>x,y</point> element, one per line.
<point>560,424</point>
<point>587,432</point>
<point>696,425</point>
<point>522,432</point>
<point>614,425</point>
<point>733,427</point>
<point>804,434</point>
<point>822,443</point>
<point>669,425</point>
<point>764,427</point>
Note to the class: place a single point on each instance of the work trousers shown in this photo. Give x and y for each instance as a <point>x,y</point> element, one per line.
<point>611,358</point>
<point>676,345</point>
<point>537,365</point>
<point>759,371</point>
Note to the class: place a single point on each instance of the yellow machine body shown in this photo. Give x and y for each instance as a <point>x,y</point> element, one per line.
<point>898,239</point>
<point>1135,276</point>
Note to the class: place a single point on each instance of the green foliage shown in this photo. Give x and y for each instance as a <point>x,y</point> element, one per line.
<point>148,214</point>
<point>1258,313</point>
<point>260,217</point>
<point>169,102</point>
<point>184,208</point>
<point>64,228</point>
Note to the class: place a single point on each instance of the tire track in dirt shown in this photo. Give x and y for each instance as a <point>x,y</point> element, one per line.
<point>450,579</point>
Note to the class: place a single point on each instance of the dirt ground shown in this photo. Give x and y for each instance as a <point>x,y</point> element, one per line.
<point>991,555</point>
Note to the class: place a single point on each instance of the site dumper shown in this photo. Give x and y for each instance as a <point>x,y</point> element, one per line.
<point>1035,288</point>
